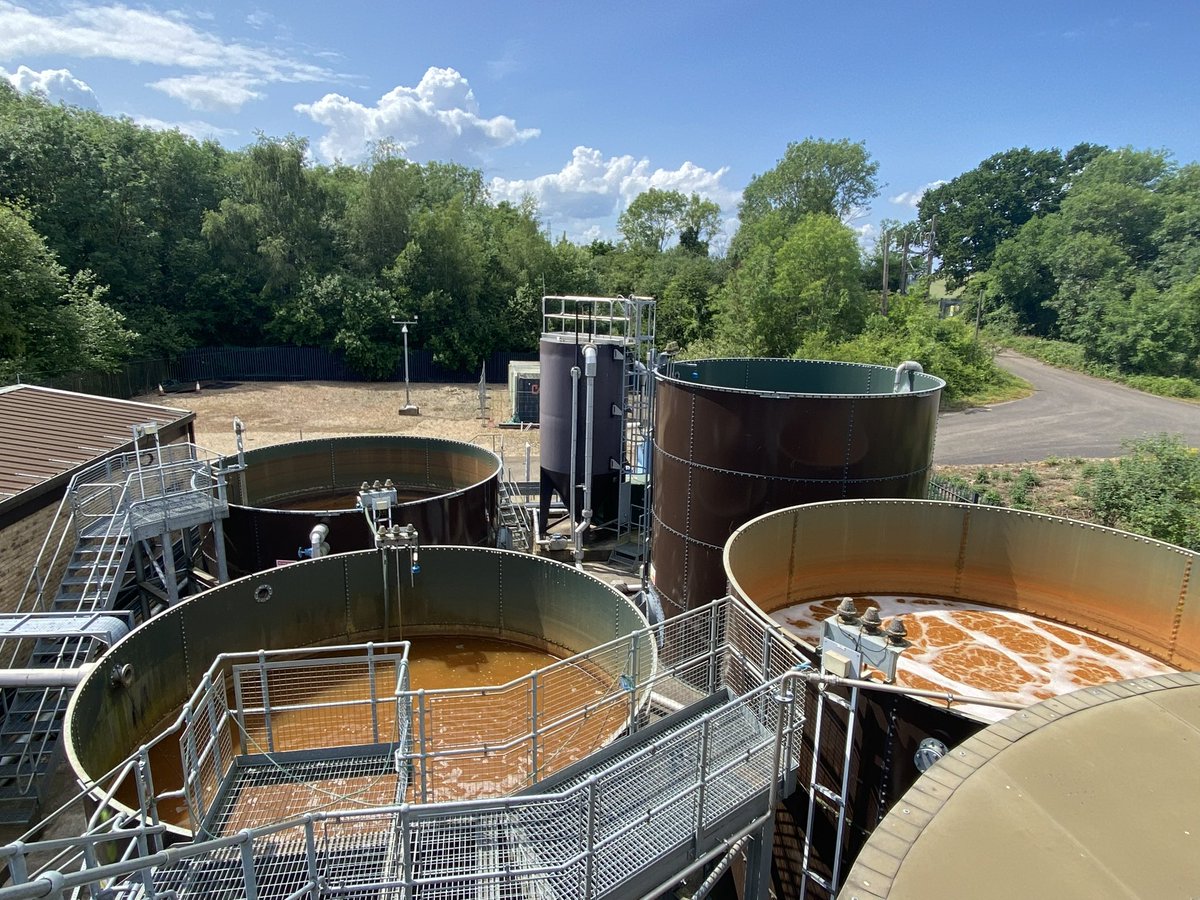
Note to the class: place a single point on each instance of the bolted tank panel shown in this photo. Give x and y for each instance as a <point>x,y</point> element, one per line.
<point>558,354</point>
<point>342,599</point>
<point>735,438</point>
<point>448,490</point>
<point>1001,567</point>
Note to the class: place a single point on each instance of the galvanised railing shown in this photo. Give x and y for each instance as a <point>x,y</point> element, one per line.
<point>669,789</point>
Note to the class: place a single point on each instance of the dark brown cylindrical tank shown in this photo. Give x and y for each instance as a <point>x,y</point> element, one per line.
<point>448,490</point>
<point>736,438</point>
<point>558,354</point>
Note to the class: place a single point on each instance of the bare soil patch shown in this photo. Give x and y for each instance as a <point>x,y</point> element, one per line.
<point>1050,486</point>
<point>279,412</point>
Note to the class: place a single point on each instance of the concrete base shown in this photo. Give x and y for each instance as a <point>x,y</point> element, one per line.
<point>409,410</point>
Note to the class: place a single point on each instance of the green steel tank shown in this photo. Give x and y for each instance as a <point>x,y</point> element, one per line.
<point>138,687</point>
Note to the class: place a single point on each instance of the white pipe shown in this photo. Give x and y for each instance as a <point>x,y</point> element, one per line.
<point>589,371</point>
<point>575,373</point>
<point>909,368</point>
<point>316,537</point>
<point>43,678</point>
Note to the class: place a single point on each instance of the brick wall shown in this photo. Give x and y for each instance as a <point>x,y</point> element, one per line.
<point>19,546</point>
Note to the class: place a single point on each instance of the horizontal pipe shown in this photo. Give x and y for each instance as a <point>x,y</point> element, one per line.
<point>43,678</point>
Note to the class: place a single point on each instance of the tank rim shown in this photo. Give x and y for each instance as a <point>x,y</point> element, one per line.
<point>924,392</point>
<point>402,438</point>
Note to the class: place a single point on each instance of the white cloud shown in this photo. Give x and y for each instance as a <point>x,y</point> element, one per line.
<point>211,91</point>
<point>133,35</point>
<point>56,85</point>
<point>437,119</point>
<point>912,198</point>
<point>201,131</point>
<point>591,190</point>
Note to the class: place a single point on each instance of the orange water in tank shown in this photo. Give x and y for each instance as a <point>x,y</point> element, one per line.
<point>466,719</point>
<point>970,649</point>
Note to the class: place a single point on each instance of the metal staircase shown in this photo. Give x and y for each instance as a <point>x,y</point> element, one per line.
<point>106,510</point>
<point>512,514</point>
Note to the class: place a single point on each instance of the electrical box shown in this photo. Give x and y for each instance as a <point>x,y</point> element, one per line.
<point>524,386</point>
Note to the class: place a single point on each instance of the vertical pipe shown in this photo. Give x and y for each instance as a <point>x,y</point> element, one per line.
<point>266,699</point>
<point>575,373</point>
<point>533,721</point>
<point>247,849</point>
<point>219,545</point>
<point>374,693</point>
<point>701,797</point>
<point>168,560</point>
<point>310,855</point>
<point>590,851</point>
<point>422,755</point>
<point>589,371</point>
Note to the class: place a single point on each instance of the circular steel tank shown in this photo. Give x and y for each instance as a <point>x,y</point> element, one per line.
<point>558,354</point>
<point>1089,795</point>
<point>337,600</point>
<point>1131,591</point>
<point>735,438</point>
<point>449,490</point>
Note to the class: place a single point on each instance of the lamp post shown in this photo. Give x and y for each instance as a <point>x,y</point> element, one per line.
<point>407,409</point>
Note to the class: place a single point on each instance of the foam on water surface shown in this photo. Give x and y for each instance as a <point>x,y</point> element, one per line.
<point>971,649</point>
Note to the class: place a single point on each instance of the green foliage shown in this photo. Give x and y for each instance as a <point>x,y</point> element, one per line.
<point>979,209</point>
<point>832,178</point>
<point>1153,490</point>
<point>912,330</point>
<point>51,322</point>
<point>780,294</point>
<point>655,217</point>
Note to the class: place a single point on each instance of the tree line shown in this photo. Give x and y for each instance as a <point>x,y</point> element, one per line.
<point>117,241</point>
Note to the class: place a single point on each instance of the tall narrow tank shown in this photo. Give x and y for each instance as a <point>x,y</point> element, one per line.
<point>448,490</point>
<point>736,438</point>
<point>560,393</point>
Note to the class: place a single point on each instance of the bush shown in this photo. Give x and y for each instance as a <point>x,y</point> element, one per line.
<point>1154,490</point>
<point>912,330</point>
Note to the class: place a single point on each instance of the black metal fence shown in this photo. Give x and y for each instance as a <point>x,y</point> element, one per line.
<point>944,489</point>
<point>261,364</point>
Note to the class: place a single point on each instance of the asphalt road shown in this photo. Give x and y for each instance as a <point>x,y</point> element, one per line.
<point>1068,415</point>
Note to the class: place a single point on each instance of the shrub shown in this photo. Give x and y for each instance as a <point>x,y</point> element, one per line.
<point>1153,490</point>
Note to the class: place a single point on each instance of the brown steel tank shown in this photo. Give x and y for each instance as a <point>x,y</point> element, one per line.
<point>1028,595</point>
<point>448,490</point>
<point>735,438</point>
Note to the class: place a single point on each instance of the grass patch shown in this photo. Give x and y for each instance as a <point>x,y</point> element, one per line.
<point>1001,389</point>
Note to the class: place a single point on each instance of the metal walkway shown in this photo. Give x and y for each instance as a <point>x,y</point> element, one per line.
<point>686,783</point>
<point>106,510</point>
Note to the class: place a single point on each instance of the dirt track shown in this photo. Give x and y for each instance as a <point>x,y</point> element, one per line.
<point>277,412</point>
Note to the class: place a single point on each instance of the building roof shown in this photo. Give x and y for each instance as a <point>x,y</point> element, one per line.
<point>46,434</point>
<point>1092,794</point>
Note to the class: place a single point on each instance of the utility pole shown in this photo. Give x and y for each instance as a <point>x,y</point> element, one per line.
<point>978,312</point>
<point>929,250</point>
<point>887,251</point>
<point>904,264</point>
<point>407,409</point>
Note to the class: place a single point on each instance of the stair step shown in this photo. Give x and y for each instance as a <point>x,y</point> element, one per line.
<point>20,811</point>
<point>24,769</point>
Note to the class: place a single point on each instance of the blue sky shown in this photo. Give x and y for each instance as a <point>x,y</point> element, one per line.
<point>585,105</point>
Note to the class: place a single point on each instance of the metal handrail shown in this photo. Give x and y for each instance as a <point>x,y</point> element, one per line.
<point>584,798</point>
